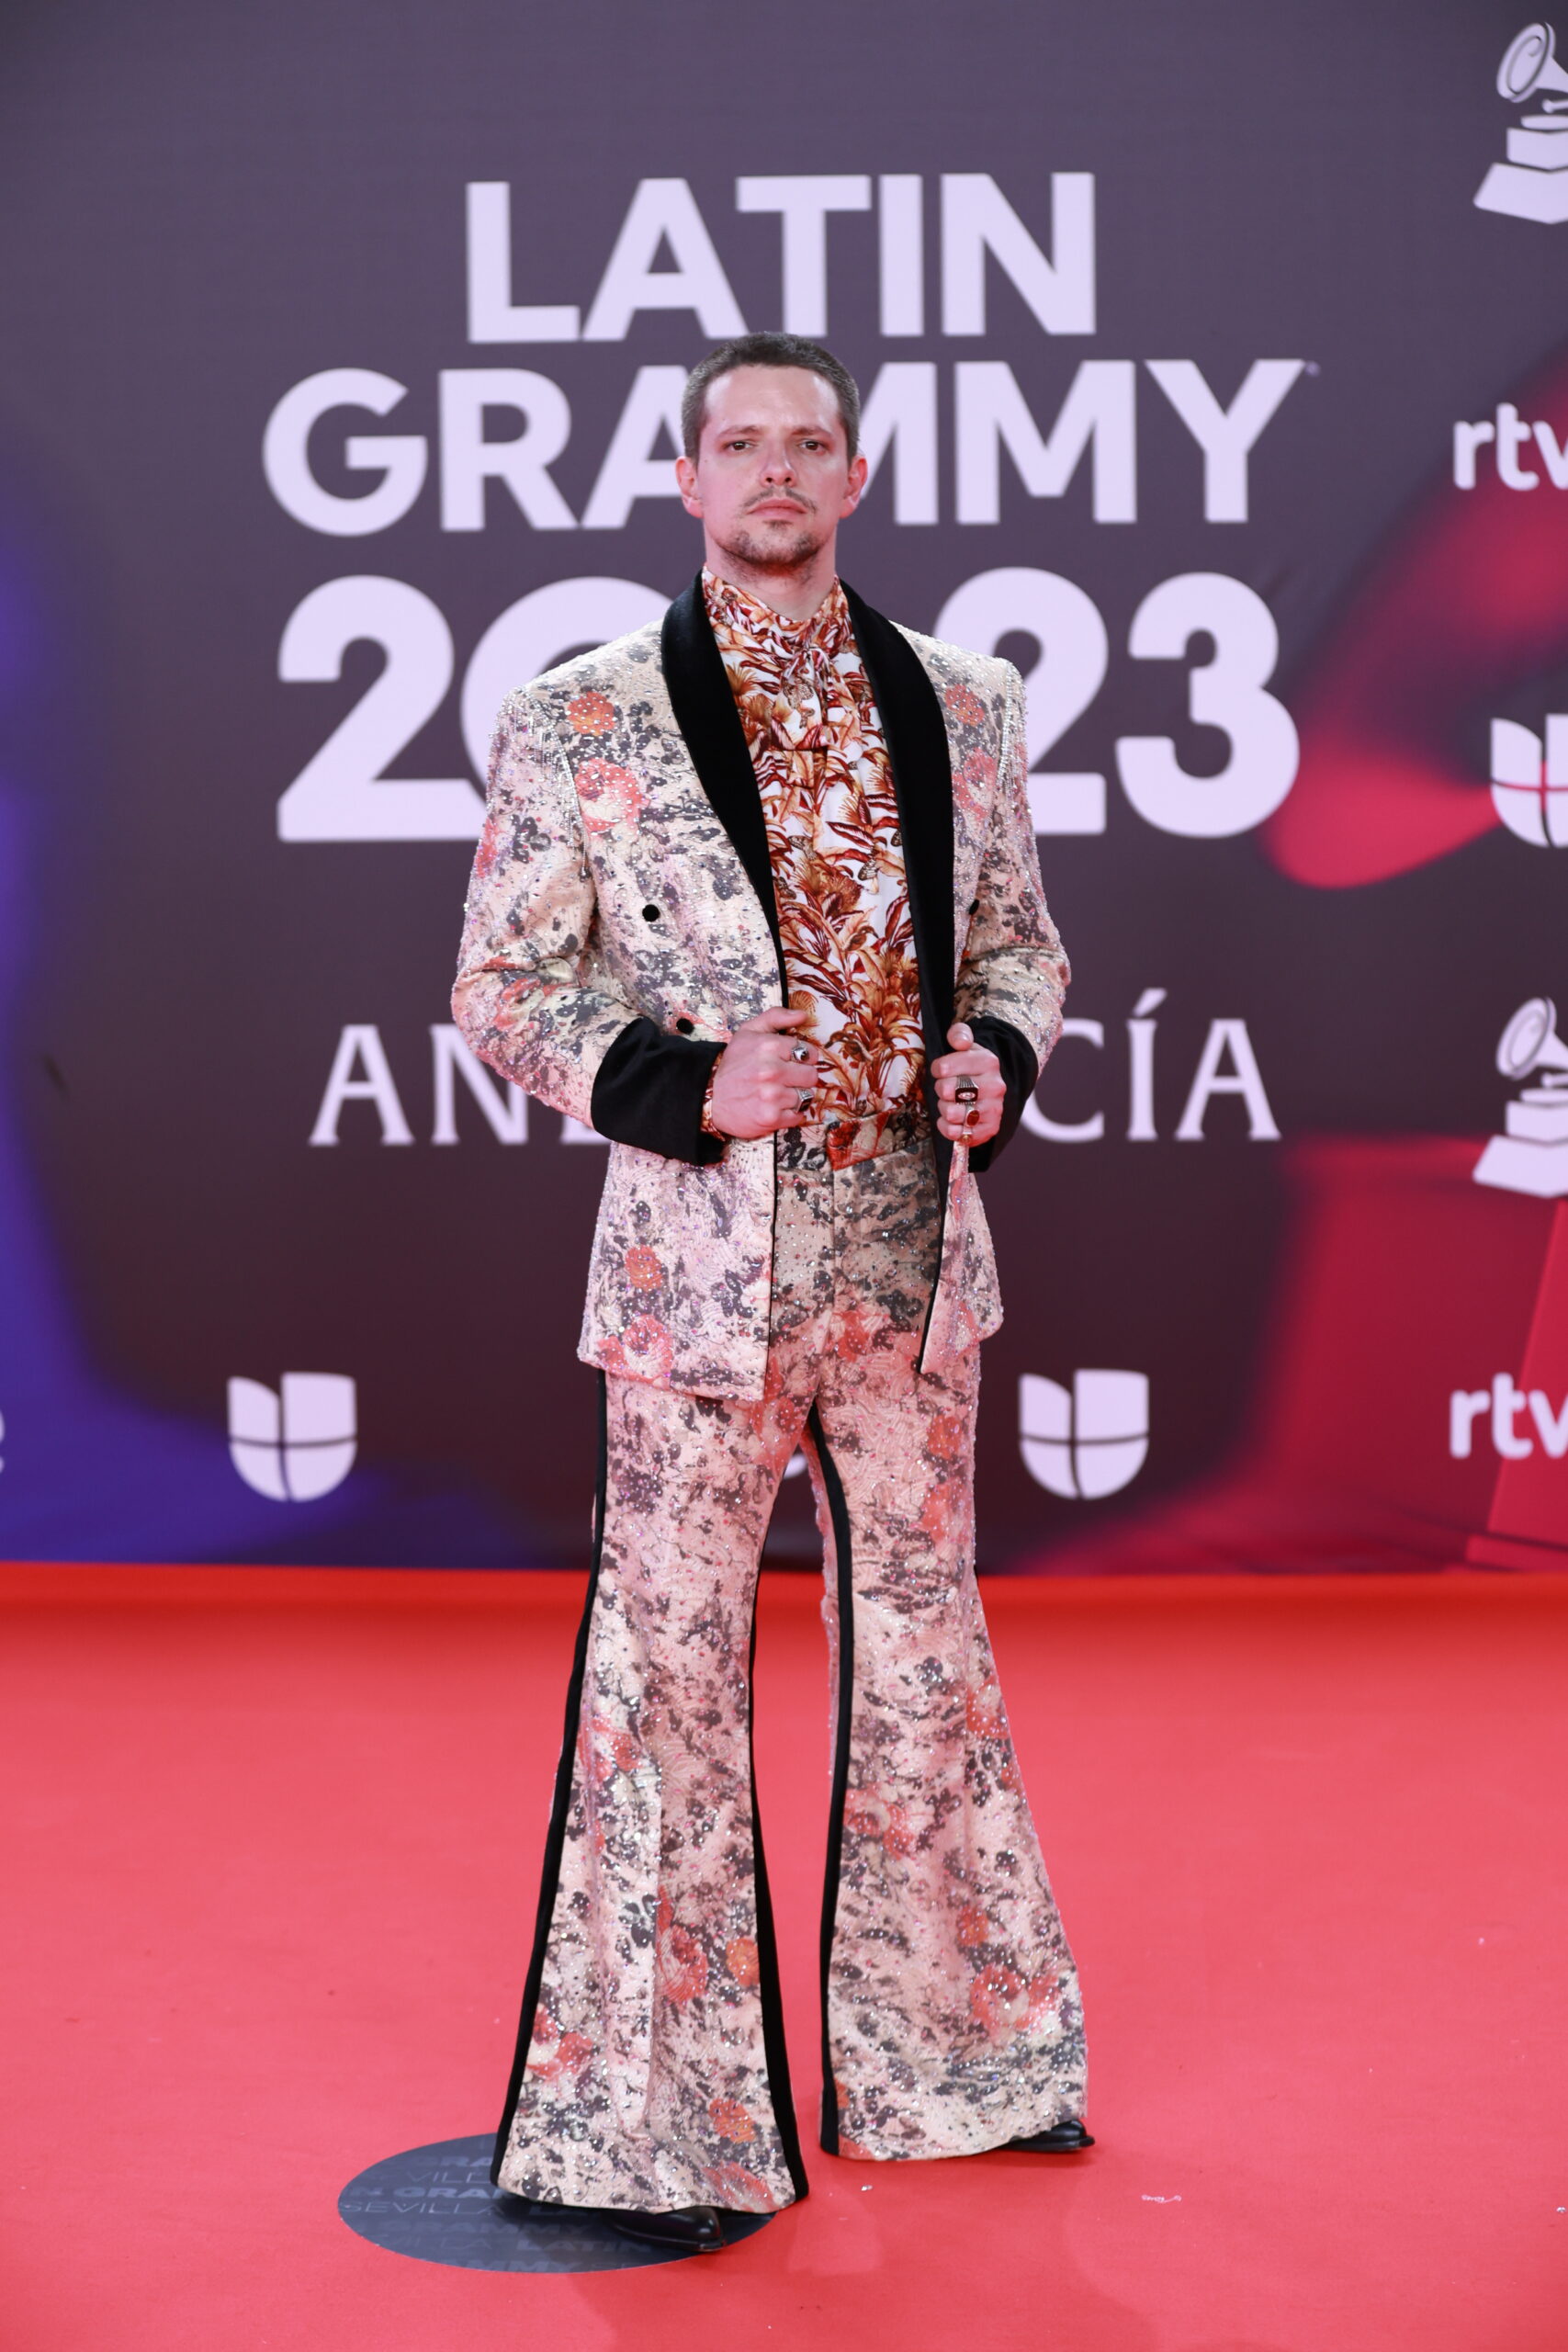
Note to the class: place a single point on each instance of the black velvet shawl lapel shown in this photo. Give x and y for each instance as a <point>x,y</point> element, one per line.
<point>916,736</point>
<point>704,704</point>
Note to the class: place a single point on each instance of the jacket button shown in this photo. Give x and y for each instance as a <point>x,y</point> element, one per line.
<point>650,914</point>
<point>685,1026</point>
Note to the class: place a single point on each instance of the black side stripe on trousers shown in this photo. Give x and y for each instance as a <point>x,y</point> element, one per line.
<point>774,2057</point>
<point>555,1836</point>
<point>839,1518</point>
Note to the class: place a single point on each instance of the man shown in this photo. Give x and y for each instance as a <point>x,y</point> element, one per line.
<point>758,896</point>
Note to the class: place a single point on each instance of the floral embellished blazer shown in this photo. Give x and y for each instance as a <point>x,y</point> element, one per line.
<point>621,921</point>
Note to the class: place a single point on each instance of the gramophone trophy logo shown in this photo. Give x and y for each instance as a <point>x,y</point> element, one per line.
<point>1533,184</point>
<point>1531,1156</point>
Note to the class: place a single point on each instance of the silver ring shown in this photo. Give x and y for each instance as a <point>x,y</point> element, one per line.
<point>966,1091</point>
<point>800,1053</point>
<point>805,1102</point>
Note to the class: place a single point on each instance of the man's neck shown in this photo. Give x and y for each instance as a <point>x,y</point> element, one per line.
<point>794,593</point>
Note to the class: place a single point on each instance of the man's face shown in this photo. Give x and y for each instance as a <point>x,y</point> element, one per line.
<point>773,474</point>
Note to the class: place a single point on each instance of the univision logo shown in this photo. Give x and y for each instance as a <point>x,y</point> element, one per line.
<point>1529,778</point>
<point>296,1442</point>
<point>1086,1441</point>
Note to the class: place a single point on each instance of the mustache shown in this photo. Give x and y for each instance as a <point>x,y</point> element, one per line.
<point>779,498</point>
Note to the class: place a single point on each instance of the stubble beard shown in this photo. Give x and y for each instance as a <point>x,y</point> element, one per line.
<point>776,558</point>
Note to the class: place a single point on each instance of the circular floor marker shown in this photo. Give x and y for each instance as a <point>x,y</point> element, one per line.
<point>437,2204</point>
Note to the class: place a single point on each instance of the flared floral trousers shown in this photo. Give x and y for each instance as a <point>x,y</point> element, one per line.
<point>651,2064</point>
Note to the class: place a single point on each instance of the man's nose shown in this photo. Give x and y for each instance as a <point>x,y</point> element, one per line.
<point>778,466</point>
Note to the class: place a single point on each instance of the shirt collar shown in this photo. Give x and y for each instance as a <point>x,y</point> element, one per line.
<point>827,631</point>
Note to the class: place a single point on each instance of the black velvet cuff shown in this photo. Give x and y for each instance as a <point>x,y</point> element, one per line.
<point>1020,1075</point>
<point>649,1093</point>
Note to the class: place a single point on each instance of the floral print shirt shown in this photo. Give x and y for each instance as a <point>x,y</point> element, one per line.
<point>843,902</point>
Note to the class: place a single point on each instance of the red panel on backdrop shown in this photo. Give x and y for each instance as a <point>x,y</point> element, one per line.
<point>1467,602</point>
<point>1400,1272</point>
<point>1530,1502</point>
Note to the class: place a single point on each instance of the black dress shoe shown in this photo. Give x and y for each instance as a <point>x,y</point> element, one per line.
<point>690,2229</point>
<point>1062,2139</point>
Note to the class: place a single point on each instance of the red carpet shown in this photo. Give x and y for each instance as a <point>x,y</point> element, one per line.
<point>270,1868</point>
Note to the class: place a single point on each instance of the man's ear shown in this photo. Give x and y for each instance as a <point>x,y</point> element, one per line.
<point>858,472</point>
<point>686,475</point>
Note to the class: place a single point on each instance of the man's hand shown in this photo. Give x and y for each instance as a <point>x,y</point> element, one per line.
<point>765,1079</point>
<point>965,1116</point>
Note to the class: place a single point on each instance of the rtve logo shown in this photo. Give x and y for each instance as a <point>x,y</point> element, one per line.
<point>296,1444</point>
<point>1501,1405</point>
<point>1089,1441</point>
<point>1510,437</point>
